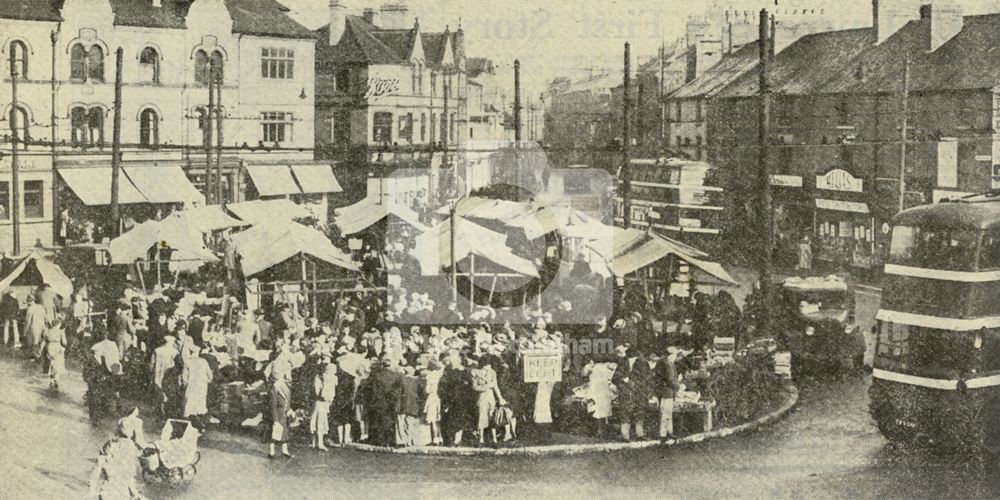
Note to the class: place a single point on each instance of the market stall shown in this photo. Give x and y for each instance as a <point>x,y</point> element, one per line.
<point>167,246</point>
<point>32,271</point>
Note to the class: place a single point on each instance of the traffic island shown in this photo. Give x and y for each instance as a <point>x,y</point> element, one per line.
<point>789,395</point>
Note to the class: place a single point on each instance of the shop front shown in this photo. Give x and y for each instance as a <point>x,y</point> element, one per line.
<point>843,223</point>
<point>793,216</point>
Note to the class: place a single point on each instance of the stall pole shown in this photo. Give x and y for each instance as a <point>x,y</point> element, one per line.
<point>142,279</point>
<point>493,287</point>
<point>302,283</point>
<point>472,282</point>
<point>159,275</point>
<point>315,288</point>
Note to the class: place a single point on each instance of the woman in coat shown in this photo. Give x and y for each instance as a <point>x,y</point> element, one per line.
<point>484,383</point>
<point>325,392</point>
<point>279,374</point>
<point>432,402</point>
<point>197,376</point>
<point>55,349</point>
<point>34,326</point>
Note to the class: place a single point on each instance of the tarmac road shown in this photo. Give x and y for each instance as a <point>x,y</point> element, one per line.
<point>826,448</point>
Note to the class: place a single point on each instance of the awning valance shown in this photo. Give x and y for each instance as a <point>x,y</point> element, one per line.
<point>93,186</point>
<point>164,184</point>
<point>273,180</point>
<point>842,206</point>
<point>316,178</point>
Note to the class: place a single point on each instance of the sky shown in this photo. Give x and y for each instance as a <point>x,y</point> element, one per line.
<point>569,37</point>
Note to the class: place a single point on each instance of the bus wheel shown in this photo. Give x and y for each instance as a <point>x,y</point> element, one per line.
<point>893,432</point>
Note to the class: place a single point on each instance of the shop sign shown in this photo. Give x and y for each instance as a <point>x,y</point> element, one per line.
<point>379,87</point>
<point>786,180</point>
<point>839,180</point>
<point>542,367</point>
<point>696,223</point>
<point>938,194</point>
<point>842,206</point>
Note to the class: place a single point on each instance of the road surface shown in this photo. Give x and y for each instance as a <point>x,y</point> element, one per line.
<point>826,448</point>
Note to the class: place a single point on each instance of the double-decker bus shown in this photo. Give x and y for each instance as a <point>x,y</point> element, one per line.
<point>937,352</point>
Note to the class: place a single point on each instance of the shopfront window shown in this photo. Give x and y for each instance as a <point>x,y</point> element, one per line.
<point>34,197</point>
<point>382,128</point>
<point>952,249</point>
<point>4,200</point>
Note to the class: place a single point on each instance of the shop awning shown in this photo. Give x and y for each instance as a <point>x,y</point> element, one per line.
<point>93,186</point>
<point>164,184</point>
<point>260,211</point>
<point>842,206</point>
<point>273,180</point>
<point>316,178</point>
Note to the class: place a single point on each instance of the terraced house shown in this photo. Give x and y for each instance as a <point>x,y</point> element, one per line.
<point>62,54</point>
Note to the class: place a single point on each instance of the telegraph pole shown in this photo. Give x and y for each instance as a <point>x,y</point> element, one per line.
<point>208,135</point>
<point>626,139</point>
<point>764,169</point>
<point>116,144</point>
<point>218,135</point>
<point>659,98</point>
<point>14,164</point>
<point>902,135</point>
<point>517,100</point>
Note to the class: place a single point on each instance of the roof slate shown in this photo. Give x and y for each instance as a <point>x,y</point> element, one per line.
<point>716,78</point>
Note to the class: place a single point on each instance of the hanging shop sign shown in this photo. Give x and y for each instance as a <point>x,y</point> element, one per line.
<point>786,180</point>
<point>839,180</point>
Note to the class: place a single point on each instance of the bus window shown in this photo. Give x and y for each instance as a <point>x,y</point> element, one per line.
<point>990,350</point>
<point>928,351</point>
<point>893,340</point>
<point>952,249</point>
<point>989,253</point>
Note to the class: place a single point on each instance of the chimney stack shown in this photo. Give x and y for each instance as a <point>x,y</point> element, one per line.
<point>888,16</point>
<point>395,16</point>
<point>338,20</point>
<point>946,21</point>
<point>369,15</point>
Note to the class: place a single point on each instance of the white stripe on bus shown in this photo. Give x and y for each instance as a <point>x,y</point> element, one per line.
<point>933,383</point>
<point>938,322</point>
<point>936,383</point>
<point>942,274</point>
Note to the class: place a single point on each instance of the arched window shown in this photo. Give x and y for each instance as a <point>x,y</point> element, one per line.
<point>217,67</point>
<point>149,128</point>
<point>78,62</point>
<point>78,120</point>
<point>95,126</point>
<point>19,56</point>
<point>19,119</point>
<point>95,64</point>
<point>149,65</point>
<point>201,67</point>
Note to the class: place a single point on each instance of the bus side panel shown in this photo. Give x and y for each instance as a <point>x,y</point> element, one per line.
<point>948,417</point>
<point>932,297</point>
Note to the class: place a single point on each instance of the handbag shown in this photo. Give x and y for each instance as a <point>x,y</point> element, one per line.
<point>502,416</point>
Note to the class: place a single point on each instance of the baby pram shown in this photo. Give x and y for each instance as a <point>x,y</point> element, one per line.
<point>172,458</point>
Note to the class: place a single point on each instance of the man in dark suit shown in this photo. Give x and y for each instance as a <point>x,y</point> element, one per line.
<point>665,387</point>
<point>382,402</point>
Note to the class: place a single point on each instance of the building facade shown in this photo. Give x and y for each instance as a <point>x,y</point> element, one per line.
<point>63,54</point>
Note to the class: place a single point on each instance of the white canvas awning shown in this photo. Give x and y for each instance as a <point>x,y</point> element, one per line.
<point>51,274</point>
<point>355,218</point>
<point>93,186</point>
<point>164,184</point>
<point>433,248</point>
<point>259,211</point>
<point>316,178</point>
<point>273,180</point>
<point>208,218</point>
<point>635,249</point>
<point>268,244</point>
<point>186,241</point>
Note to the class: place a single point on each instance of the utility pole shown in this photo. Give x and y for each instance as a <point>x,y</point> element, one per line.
<point>218,140</point>
<point>902,134</point>
<point>208,136</point>
<point>116,144</point>
<point>15,166</point>
<point>640,124</point>
<point>54,38</point>
<point>626,139</point>
<point>517,100</point>
<point>764,169</point>
<point>659,98</point>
